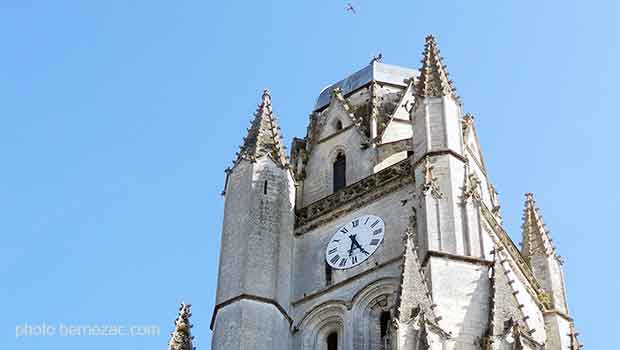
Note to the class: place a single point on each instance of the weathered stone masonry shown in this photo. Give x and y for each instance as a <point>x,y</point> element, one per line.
<point>446,275</point>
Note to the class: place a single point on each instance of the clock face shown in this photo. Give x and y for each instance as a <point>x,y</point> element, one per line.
<point>355,242</point>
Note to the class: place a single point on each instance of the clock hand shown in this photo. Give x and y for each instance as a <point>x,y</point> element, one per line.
<point>352,238</point>
<point>356,243</point>
<point>363,250</point>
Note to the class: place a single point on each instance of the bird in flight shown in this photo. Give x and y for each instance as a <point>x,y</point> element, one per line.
<point>350,8</point>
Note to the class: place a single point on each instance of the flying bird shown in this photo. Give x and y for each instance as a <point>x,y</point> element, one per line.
<point>351,9</point>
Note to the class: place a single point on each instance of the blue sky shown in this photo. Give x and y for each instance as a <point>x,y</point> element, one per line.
<point>119,117</point>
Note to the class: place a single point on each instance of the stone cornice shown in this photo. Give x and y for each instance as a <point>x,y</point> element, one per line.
<point>440,152</point>
<point>253,298</point>
<point>463,258</point>
<point>391,143</point>
<point>326,290</point>
<point>353,196</point>
<point>559,313</point>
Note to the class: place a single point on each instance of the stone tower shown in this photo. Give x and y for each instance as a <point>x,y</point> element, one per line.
<point>382,232</point>
<point>254,285</point>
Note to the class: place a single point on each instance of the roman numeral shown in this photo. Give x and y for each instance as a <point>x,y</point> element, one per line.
<point>344,230</point>
<point>356,222</point>
<point>377,231</point>
<point>374,223</point>
<point>375,241</point>
<point>335,259</point>
<point>365,222</point>
<point>343,262</point>
<point>354,259</point>
<point>332,251</point>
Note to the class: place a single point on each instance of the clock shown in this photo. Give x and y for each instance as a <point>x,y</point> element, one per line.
<point>355,242</point>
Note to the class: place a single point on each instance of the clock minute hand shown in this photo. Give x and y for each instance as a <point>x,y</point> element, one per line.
<point>352,238</point>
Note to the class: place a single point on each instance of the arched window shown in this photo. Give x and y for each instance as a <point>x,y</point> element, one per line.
<point>338,125</point>
<point>384,322</point>
<point>332,341</point>
<point>328,274</point>
<point>340,172</point>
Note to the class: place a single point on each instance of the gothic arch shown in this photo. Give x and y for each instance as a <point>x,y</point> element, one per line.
<point>320,322</point>
<point>368,304</point>
<point>340,149</point>
<point>338,178</point>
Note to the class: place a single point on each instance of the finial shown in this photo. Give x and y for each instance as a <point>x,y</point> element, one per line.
<point>266,96</point>
<point>529,197</point>
<point>468,119</point>
<point>430,181</point>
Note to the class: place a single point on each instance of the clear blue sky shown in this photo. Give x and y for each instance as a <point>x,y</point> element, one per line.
<point>119,117</point>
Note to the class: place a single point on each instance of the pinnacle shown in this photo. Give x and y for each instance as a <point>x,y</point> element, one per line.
<point>433,80</point>
<point>504,304</point>
<point>536,239</point>
<point>181,338</point>
<point>263,136</point>
<point>413,295</point>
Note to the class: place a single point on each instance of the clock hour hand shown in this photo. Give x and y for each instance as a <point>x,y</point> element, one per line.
<point>354,242</point>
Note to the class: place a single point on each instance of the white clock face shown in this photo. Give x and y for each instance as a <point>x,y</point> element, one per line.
<point>355,242</point>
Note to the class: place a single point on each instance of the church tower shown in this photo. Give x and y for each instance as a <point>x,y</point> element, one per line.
<point>382,231</point>
<point>254,285</point>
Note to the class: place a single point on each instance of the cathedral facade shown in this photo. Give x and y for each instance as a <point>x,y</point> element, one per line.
<point>381,231</point>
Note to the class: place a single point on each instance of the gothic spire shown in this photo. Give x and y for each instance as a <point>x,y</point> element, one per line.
<point>263,136</point>
<point>413,296</point>
<point>536,239</point>
<point>433,80</point>
<point>504,306</point>
<point>181,338</point>
<point>542,257</point>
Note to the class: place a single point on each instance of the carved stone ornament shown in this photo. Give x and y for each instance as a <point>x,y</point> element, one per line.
<point>495,202</point>
<point>466,124</point>
<point>430,182</point>
<point>412,231</point>
<point>472,187</point>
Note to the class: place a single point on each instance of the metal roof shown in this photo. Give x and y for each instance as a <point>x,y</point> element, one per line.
<point>385,73</point>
